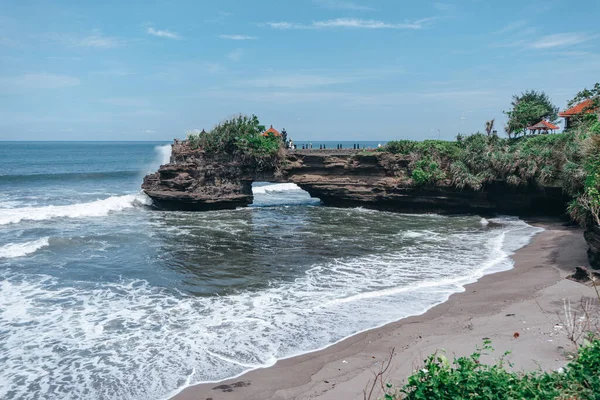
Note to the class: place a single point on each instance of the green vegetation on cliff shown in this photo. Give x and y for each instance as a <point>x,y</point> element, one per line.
<point>241,138</point>
<point>546,160</point>
<point>570,160</point>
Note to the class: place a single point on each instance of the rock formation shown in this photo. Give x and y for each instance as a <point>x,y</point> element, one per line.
<point>194,180</point>
<point>592,237</point>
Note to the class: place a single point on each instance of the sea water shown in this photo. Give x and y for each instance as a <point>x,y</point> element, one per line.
<point>103,297</point>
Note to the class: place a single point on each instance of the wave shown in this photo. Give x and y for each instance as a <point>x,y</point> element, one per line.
<point>68,176</point>
<point>163,154</point>
<point>98,208</point>
<point>133,340</point>
<point>13,250</point>
<point>275,188</point>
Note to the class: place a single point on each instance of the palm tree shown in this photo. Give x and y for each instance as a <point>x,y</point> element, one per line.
<point>489,126</point>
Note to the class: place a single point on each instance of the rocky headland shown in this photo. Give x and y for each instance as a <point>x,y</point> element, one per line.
<point>197,180</point>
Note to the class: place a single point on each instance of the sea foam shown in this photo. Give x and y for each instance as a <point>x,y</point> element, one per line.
<point>13,250</point>
<point>133,340</point>
<point>98,208</point>
<point>275,188</point>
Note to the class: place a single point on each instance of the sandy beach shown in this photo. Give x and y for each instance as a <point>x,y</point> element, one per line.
<point>527,300</point>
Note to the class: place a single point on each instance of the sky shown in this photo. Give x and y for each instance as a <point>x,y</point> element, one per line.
<point>321,69</point>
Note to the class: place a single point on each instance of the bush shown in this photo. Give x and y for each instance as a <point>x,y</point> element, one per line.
<point>468,378</point>
<point>427,171</point>
<point>479,159</point>
<point>240,138</point>
<point>585,208</point>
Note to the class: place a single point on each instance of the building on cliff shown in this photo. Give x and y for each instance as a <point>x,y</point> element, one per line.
<point>585,107</point>
<point>543,127</point>
<point>272,131</point>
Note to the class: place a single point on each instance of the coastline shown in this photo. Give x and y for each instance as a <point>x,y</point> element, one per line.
<point>524,299</point>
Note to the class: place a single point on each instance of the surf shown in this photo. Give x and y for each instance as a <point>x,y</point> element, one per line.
<point>14,250</point>
<point>98,208</point>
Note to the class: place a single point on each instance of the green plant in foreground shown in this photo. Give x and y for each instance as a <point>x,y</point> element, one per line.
<point>469,378</point>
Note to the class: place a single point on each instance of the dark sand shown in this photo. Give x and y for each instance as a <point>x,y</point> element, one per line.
<point>527,299</point>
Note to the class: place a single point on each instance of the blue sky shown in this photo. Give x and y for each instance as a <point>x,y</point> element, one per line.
<point>323,69</point>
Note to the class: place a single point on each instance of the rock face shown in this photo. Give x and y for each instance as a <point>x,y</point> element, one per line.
<point>592,237</point>
<point>194,181</point>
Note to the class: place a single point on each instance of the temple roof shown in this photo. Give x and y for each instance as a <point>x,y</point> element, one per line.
<point>543,124</point>
<point>272,130</point>
<point>578,109</point>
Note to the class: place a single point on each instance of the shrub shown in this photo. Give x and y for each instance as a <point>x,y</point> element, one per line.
<point>469,378</point>
<point>240,138</point>
<point>479,159</point>
<point>585,208</point>
<point>426,171</point>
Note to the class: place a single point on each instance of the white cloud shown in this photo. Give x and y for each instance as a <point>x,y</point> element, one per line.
<point>132,102</point>
<point>115,72</point>
<point>95,40</point>
<point>238,37</point>
<point>163,33</point>
<point>342,5</point>
<point>561,39</point>
<point>236,55</point>
<point>98,41</point>
<point>64,58</point>
<point>351,23</point>
<point>308,79</point>
<point>41,80</point>
<point>149,131</point>
<point>4,41</point>
<point>513,26</point>
<point>443,6</point>
<point>295,81</point>
<point>456,94</point>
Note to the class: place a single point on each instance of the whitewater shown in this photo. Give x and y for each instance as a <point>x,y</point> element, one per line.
<point>103,297</point>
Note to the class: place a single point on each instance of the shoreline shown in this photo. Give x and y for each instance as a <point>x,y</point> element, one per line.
<point>343,369</point>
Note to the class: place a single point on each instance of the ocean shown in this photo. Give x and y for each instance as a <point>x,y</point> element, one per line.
<point>104,297</point>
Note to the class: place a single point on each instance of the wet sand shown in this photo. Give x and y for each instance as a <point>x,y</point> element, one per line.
<point>527,300</point>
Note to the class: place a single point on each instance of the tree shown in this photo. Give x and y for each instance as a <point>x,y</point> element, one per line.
<point>489,126</point>
<point>585,94</point>
<point>527,109</point>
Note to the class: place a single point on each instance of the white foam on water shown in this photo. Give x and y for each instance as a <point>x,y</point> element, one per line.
<point>163,154</point>
<point>275,188</point>
<point>132,340</point>
<point>484,222</point>
<point>13,250</point>
<point>98,208</point>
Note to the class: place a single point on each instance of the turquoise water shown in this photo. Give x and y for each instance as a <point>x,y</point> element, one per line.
<point>104,297</point>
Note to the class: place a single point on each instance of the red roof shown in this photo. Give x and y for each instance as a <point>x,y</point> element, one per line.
<point>272,130</point>
<point>542,125</point>
<point>578,109</point>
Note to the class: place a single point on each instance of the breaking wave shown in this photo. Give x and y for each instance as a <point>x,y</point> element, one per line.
<point>98,208</point>
<point>133,340</point>
<point>13,250</point>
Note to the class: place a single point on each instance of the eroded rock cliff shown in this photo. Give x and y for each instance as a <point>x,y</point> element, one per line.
<point>194,180</point>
